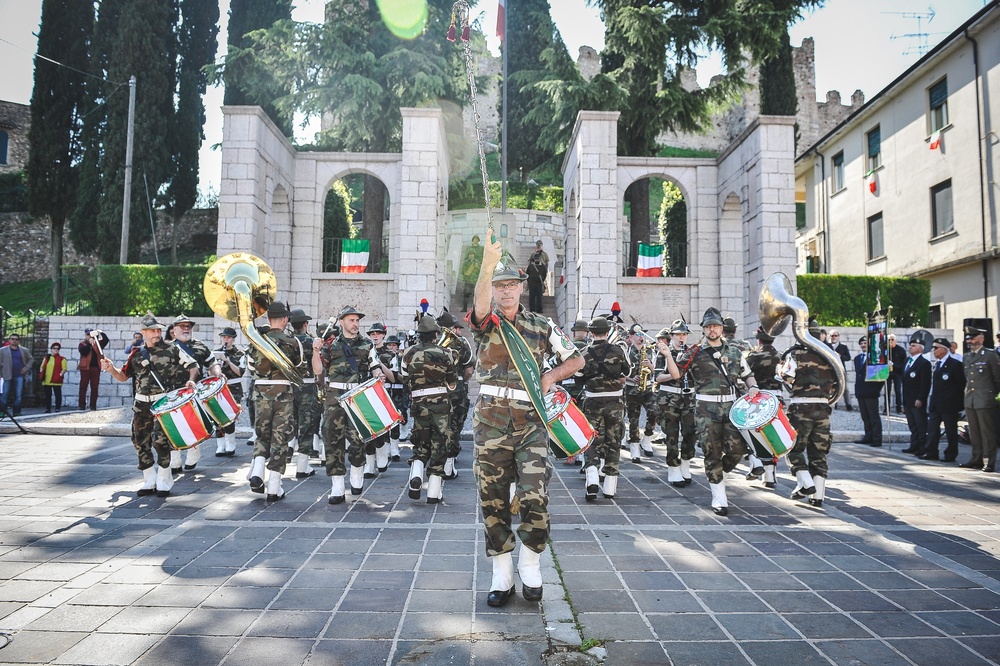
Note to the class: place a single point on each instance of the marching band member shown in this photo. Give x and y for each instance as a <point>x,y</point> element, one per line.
<point>639,396</point>
<point>676,405</point>
<point>397,391</point>
<point>574,384</point>
<point>604,371</point>
<point>232,362</point>
<point>459,397</point>
<point>307,411</point>
<point>183,326</point>
<point>763,361</point>
<point>377,450</point>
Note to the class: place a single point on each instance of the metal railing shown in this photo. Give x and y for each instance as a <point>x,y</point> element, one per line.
<point>378,256</point>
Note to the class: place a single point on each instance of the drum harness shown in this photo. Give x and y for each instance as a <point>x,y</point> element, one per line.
<point>352,360</point>
<point>148,363</point>
<point>716,358</point>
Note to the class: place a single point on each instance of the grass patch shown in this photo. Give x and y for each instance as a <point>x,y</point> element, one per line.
<point>591,643</point>
<point>672,151</point>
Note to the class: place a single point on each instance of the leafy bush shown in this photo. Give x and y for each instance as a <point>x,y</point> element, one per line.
<point>843,300</point>
<point>466,194</point>
<point>135,289</point>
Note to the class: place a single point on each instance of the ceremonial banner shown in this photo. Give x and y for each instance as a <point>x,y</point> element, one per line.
<point>501,19</point>
<point>878,350</point>
<point>353,255</point>
<point>650,261</point>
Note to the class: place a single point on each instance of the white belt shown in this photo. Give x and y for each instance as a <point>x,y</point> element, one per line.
<point>398,387</point>
<point>342,385</point>
<point>504,392</point>
<point>435,390</point>
<point>308,380</point>
<point>670,389</point>
<point>235,380</point>
<point>139,397</point>
<point>605,394</point>
<point>272,382</point>
<point>808,401</point>
<point>729,397</point>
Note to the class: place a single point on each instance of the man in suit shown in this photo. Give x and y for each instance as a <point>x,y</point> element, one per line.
<point>898,359</point>
<point>945,401</point>
<point>982,381</point>
<point>867,394</point>
<point>916,386</point>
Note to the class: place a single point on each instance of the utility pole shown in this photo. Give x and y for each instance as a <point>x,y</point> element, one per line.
<point>126,205</point>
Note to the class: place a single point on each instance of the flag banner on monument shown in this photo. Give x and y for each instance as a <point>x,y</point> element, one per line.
<point>353,255</point>
<point>650,261</point>
<point>872,183</point>
<point>935,141</point>
<point>501,18</point>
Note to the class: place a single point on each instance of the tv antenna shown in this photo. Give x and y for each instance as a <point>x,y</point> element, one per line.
<point>921,37</point>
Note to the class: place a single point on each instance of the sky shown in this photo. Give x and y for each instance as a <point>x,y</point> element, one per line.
<point>859,44</point>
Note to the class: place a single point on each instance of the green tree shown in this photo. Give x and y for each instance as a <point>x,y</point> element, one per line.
<point>338,219</point>
<point>672,225</point>
<point>56,107</point>
<point>778,95</point>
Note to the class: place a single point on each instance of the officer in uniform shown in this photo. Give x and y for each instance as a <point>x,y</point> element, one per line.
<point>638,397</point>
<point>574,384</point>
<point>809,414</point>
<point>183,326</point>
<point>158,368</point>
<point>377,450</point>
<point>676,405</point>
<point>460,396</point>
<point>511,437</point>
<point>763,361</point>
<point>307,409</point>
<point>233,363</point>
<point>719,372</point>
<point>982,383</point>
<point>274,406</point>
<point>430,372</point>
<point>345,362</point>
<point>398,393</point>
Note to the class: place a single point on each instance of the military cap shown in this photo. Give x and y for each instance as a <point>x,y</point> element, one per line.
<point>504,272</point>
<point>664,332</point>
<point>712,316</point>
<point>599,325</point>
<point>635,329</point>
<point>679,326</point>
<point>392,340</point>
<point>350,310</point>
<point>149,321</point>
<point>299,316</point>
<point>917,339</point>
<point>263,328</point>
<point>448,320</point>
<point>763,336</point>
<point>428,325</point>
<point>579,325</point>
<point>277,310</point>
<point>972,331</point>
<point>378,327</point>
<point>229,331</point>
<point>538,242</point>
<point>814,328</point>
<point>729,325</point>
<point>941,342</point>
<point>183,319</point>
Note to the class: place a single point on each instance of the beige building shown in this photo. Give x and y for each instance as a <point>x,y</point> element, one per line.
<point>905,186</point>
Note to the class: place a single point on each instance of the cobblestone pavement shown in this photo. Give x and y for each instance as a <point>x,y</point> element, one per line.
<point>899,567</point>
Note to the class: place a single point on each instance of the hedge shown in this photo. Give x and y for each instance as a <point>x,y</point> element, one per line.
<point>843,300</point>
<point>134,289</point>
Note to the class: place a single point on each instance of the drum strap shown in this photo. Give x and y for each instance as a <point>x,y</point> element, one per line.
<point>149,364</point>
<point>352,360</point>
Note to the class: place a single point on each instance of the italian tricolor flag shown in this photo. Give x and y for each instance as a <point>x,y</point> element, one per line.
<point>501,19</point>
<point>936,140</point>
<point>571,432</point>
<point>650,261</point>
<point>353,255</point>
<point>372,411</point>
<point>778,435</point>
<point>872,183</point>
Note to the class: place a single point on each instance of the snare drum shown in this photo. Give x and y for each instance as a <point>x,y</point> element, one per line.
<point>370,409</point>
<point>217,401</point>
<point>569,431</point>
<point>763,423</point>
<point>181,418</point>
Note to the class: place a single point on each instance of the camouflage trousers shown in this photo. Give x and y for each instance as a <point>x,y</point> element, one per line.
<point>634,404</point>
<point>148,436</point>
<point>459,412</point>
<point>605,416</point>
<point>676,415</point>
<point>812,443</point>
<point>274,423</point>
<point>512,446</point>
<point>307,415</point>
<point>723,444</point>
<point>399,399</point>
<point>340,436</point>
<point>429,435</point>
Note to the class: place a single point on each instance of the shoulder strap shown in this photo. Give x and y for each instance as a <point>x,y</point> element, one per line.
<point>145,355</point>
<point>352,360</point>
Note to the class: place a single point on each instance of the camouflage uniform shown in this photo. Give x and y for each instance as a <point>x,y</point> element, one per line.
<point>171,366</point>
<point>429,367</point>
<point>460,396</point>
<point>386,358</point>
<point>605,367</point>
<point>574,384</point>
<point>763,361</point>
<point>714,395</point>
<point>636,400</point>
<point>274,401</point>
<point>511,439</point>
<point>340,378</point>
<point>676,412</point>
<point>234,380</point>
<point>200,352</point>
<point>307,409</point>
<point>809,411</point>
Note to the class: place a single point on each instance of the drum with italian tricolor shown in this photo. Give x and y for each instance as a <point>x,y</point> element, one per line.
<point>370,409</point>
<point>570,433</point>
<point>763,423</point>
<point>216,399</point>
<point>182,419</point>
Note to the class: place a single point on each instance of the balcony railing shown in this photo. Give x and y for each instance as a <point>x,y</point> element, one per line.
<point>674,260</point>
<point>378,256</point>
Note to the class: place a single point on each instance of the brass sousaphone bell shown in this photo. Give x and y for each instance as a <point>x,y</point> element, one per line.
<point>239,287</point>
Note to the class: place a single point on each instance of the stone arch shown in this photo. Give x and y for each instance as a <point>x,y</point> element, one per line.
<point>359,178</point>
<point>676,252</point>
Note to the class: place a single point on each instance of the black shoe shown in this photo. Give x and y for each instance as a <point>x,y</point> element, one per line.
<point>370,475</point>
<point>175,472</point>
<point>770,484</point>
<point>395,459</point>
<point>451,477</point>
<point>257,484</point>
<point>636,460</point>
<point>274,498</point>
<point>678,484</point>
<point>929,455</point>
<point>188,468</point>
<point>230,454</point>
<point>899,410</point>
<point>802,493</point>
<point>875,444</point>
<point>58,409</point>
<point>849,407</point>
<point>531,593</point>
<point>339,499</point>
<point>305,475</point>
<point>647,453</point>
<point>720,510</point>
<point>970,465</point>
<point>816,503</point>
<point>755,473</point>
<point>221,454</point>
<point>687,481</point>
<point>356,491</point>
<point>163,493</point>
<point>862,441</point>
<point>948,459</point>
<point>592,493</point>
<point>433,500</point>
<point>910,449</point>
<point>48,411</point>
<point>497,598</point>
<point>989,470</point>
<point>143,492</point>
<point>583,470</point>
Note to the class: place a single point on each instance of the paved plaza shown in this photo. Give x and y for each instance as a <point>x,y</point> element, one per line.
<point>899,567</point>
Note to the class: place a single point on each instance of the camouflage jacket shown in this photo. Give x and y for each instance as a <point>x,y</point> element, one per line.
<point>305,368</point>
<point>707,372</point>
<point>289,346</point>
<point>429,365</point>
<point>660,368</point>
<point>463,352</point>
<point>763,362</point>
<point>169,363</point>
<point>605,366</point>
<point>338,365</point>
<point>543,338</point>
<point>199,351</point>
<point>235,356</point>
<point>742,345</point>
<point>634,357</point>
<point>814,378</point>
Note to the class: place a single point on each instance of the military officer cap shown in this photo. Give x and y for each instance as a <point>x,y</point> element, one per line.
<point>712,316</point>
<point>917,339</point>
<point>183,319</point>
<point>814,328</point>
<point>506,271</point>
<point>228,331</point>
<point>350,310</point>
<point>299,316</point>
<point>392,340</point>
<point>378,327</point>
<point>599,325</point>
<point>448,320</point>
<point>664,332</point>
<point>729,325</point>
<point>941,342</point>
<point>972,331</point>
<point>679,326</point>
<point>428,325</point>
<point>149,322</point>
<point>635,329</point>
<point>277,310</point>
<point>579,325</point>
<point>764,337</point>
